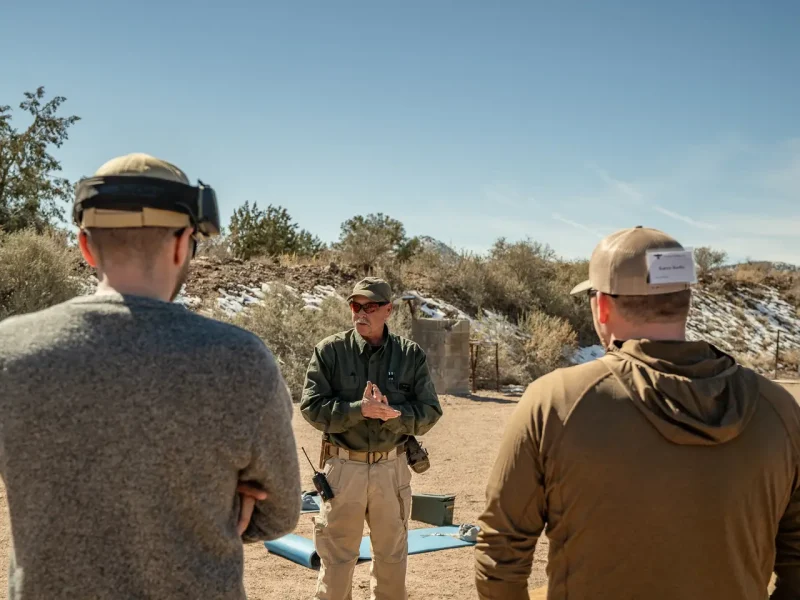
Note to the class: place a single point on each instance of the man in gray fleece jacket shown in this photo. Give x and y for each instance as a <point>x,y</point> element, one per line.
<point>127,423</point>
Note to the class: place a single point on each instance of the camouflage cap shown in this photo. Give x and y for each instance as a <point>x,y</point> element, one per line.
<point>373,288</point>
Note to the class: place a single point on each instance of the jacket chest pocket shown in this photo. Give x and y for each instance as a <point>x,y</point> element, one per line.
<point>399,392</point>
<point>347,385</point>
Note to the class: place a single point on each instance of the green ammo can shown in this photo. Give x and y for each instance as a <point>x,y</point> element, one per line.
<point>434,509</point>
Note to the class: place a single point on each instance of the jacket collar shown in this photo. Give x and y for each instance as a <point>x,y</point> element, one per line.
<point>364,346</point>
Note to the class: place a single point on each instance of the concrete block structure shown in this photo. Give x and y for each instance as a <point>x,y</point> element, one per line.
<point>446,343</point>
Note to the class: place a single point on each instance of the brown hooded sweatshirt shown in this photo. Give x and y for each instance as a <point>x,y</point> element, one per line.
<point>663,471</point>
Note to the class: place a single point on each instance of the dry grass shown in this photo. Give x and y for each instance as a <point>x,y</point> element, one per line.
<point>36,272</point>
<point>764,363</point>
<point>751,273</point>
<point>323,259</point>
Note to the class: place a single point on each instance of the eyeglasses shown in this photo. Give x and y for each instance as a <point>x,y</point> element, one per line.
<point>369,307</point>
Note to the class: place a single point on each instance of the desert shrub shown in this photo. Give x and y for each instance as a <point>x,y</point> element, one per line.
<point>291,330</point>
<point>793,293</point>
<point>518,272</point>
<point>707,259</point>
<point>400,321</point>
<point>540,344</point>
<point>751,273</point>
<point>510,361</point>
<point>218,247</point>
<point>269,232</point>
<point>513,280</point>
<point>552,341</point>
<point>36,272</point>
<point>461,279</point>
<point>390,270</point>
<point>790,360</point>
<point>365,241</point>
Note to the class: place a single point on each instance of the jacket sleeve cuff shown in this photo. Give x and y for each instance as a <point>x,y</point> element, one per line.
<point>399,426</point>
<point>354,412</point>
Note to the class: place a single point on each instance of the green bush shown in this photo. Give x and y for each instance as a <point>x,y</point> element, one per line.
<point>268,232</point>
<point>365,241</point>
<point>36,272</point>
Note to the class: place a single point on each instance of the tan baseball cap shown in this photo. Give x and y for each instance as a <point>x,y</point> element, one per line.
<point>639,262</point>
<point>137,164</point>
<point>373,288</point>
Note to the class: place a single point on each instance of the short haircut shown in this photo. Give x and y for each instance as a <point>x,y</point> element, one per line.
<point>140,245</point>
<point>663,308</point>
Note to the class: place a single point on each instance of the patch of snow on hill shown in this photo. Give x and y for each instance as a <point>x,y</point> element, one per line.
<point>235,301</point>
<point>746,323</point>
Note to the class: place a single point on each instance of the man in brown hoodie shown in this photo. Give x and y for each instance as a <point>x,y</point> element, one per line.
<point>663,470</point>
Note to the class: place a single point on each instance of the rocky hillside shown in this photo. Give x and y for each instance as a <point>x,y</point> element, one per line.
<point>743,319</point>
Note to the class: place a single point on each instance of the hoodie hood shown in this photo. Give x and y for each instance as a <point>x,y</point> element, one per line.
<point>691,392</point>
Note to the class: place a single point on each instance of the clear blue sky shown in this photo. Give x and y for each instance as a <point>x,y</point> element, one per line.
<point>466,120</point>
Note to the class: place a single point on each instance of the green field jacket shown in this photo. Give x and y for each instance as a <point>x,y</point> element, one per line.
<point>337,376</point>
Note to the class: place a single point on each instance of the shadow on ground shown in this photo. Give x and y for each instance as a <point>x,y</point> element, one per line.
<point>490,397</point>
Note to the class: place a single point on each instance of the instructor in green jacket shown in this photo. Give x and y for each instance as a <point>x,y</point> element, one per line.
<point>368,390</point>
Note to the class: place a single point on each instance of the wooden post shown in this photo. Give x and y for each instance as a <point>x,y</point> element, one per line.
<point>475,368</point>
<point>472,364</point>
<point>497,365</point>
<point>777,353</point>
<point>411,309</point>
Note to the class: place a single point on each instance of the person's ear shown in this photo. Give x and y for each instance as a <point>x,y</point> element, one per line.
<point>390,308</point>
<point>86,250</point>
<point>603,307</point>
<point>182,248</point>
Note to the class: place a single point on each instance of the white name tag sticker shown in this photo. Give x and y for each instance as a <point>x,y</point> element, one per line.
<point>666,267</point>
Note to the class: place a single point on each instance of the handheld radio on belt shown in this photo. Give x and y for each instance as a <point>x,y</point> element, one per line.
<point>320,481</point>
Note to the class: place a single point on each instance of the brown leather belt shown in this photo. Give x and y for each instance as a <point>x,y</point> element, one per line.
<point>330,451</point>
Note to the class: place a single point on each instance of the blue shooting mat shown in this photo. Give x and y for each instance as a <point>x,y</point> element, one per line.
<point>429,539</point>
<point>296,548</point>
<point>300,550</point>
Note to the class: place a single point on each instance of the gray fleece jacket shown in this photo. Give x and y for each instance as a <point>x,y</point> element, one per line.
<point>125,425</point>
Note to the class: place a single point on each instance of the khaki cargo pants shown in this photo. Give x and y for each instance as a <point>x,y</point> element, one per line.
<point>381,494</point>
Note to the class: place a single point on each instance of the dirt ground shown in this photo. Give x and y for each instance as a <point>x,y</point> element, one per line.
<point>462,447</point>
